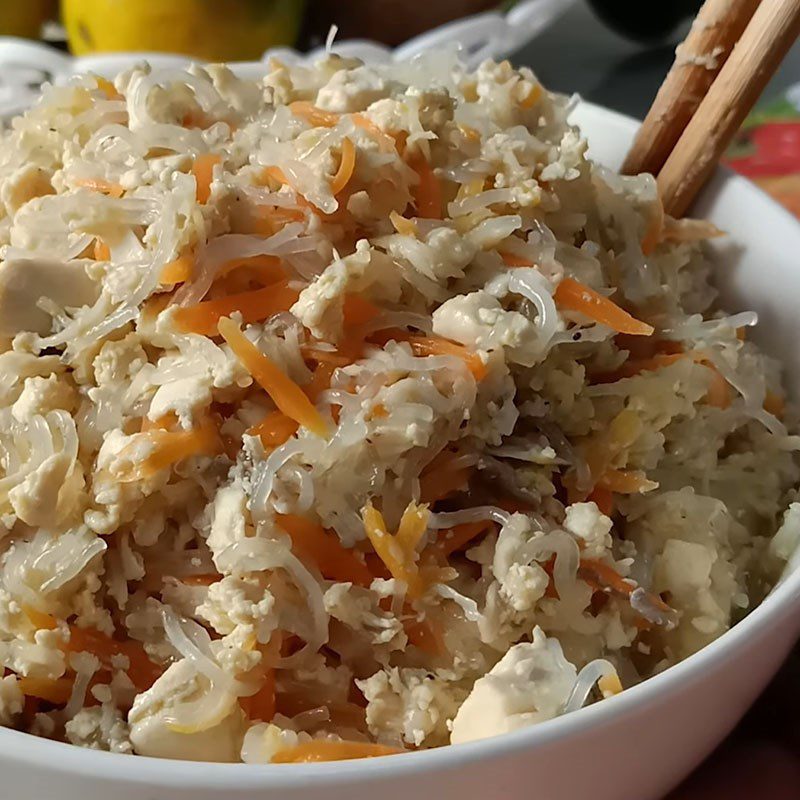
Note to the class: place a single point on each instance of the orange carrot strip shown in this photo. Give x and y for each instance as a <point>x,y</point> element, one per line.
<point>39,619</point>
<point>719,393</point>
<point>655,228</point>
<point>108,89</point>
<point>395,558</point>
<point>625,482</point>
<point>321,750</point>
<point>274,429</point>
<point>600,575</point>
<point>428,191</point>
<point>405,227</point>
<point>203,171</point>
<point>358,310</point>
<point>458,537</point>
<point>177,271</point>
<point>775,404</point>
<point>313,543</point>
<point>101,185</point>
<point>317,117</point>
<point>54,690</point>
<point>346,167</point>
<point>436,346</point>
<point>261,705</point>
<point>439,479</point>
<point>285,393</point>
<point>142,672</point>
<point>386,143</point>
<point>170,447</point>
<point>573,296</point>
<point>102,252</point>
<point>511,260</point>
<point>424,635</point>
<point>254,306</point>
<point>603,499</point>
<point>320,381</point>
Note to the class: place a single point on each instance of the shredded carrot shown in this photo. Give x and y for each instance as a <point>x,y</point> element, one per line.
<point>275,174</point>
<point>719,393</point>
<point>625,482</point>
<point>573,296</point>
<point>358,310</point>
<point>254,306</point>
<point>101,185</point>
<point>163,423</point>
<point>265,269</point>
<point>399,561</point>
<point>511,260</point>
<point>346,167</point>
<point>379,411</point>
<point>457,538</point>
<point>412,527</point>
<point>655,228</point>
<point>405,227</point>
<point>440,479</point>
<point>142,672</point>
<point>203,171</point>
<point>274,429</point>
<point>108,88</point>
<point>313,543</point>
<point>741,334</point>
<point>775,404</point>
<point>428,192</point>
<point>177,271</point>
<point>532,96</point>
<point>602,576</point>
<point>40,619</point>
<point>285,393</point>
<point>170,447</point>
<point>386,143</point>
<point>436,346</point>
<point>102,252</point>
<point>320,381</point>
<point>603,499</point>
<point>261,705</point>
<point>321,750</point>
<point>424,635</point>
<point>53,690</point>
<point>317,117</point>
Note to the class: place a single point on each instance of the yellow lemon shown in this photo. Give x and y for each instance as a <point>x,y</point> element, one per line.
<point>25,18</point>
<point>214,30</point>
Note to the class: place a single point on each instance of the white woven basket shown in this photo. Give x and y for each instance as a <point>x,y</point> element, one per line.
<point>25,65</point>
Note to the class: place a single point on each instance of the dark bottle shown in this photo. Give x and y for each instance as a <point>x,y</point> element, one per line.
<point>645,20</point>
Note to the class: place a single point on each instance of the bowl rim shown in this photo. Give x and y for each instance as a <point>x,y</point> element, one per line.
<point>782,603</point>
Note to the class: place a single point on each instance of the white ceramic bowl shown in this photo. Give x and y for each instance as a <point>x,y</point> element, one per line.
<point>635,746</point>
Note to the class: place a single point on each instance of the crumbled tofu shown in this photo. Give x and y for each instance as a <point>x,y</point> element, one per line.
<point>479,321</point>
<point>228,518</point>
<point>11,700</point>
<point>586,521</point>
<point>183,397</point>
<point>240,601</point>
<point>99,728</point>
<point>409,705</point>
<point>40,395</point>
<point>358,609</point>
<point>351,90</point>
<point>530,684</point>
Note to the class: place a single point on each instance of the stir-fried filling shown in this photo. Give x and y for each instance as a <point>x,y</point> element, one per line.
<point>351,411</point>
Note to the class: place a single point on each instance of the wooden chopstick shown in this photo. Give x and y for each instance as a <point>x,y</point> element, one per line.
<point>698,60</point>
<point>761,48</point>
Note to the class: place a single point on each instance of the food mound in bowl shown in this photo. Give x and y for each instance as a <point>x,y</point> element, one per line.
<point>351,411</point>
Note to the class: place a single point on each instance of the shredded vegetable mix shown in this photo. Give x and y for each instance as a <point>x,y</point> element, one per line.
<point>354,410</point>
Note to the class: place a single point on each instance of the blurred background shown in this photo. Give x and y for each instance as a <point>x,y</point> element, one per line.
<point>612,52</point>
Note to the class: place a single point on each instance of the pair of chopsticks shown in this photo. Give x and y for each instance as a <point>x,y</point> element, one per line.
<point>720,69</point>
